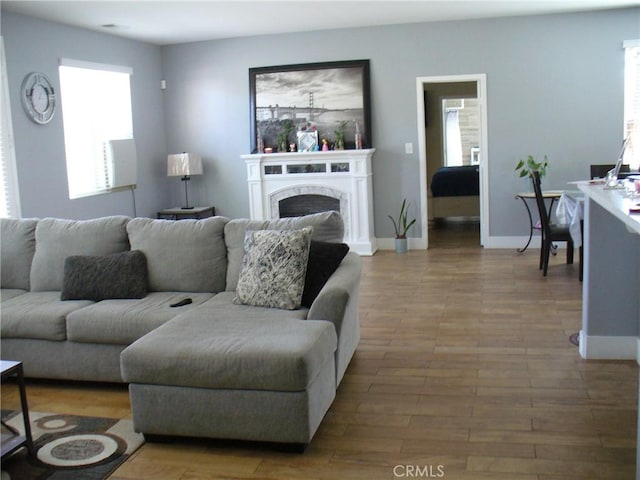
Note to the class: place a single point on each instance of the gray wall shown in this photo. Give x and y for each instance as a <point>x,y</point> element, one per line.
<point>554,87</point>
<point>35,45</point>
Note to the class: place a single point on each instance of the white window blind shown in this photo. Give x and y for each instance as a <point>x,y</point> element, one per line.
<point>632,101</point>
<point>9,197</point>
<point>96,109</point>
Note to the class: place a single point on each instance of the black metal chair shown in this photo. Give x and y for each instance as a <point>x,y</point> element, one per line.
<point>550,232</point>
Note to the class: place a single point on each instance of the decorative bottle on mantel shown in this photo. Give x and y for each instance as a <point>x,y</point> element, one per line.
<point>260,144</point>
<point>358,138</point>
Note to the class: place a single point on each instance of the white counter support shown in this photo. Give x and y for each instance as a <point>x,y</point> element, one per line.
<point>611,287</point>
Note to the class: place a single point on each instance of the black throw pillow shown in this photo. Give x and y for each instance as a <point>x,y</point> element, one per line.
<point>324,259</point>
<point>120,275</point>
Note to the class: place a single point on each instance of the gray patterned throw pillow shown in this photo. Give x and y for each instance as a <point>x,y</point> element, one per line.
<point>273,268</point>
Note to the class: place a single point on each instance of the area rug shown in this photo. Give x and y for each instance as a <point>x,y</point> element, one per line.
<point>70,447</point>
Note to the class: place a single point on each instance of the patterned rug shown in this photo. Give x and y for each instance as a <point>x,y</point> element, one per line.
<point>69,447</point>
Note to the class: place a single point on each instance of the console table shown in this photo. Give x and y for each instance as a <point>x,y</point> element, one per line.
<point>12,441</point>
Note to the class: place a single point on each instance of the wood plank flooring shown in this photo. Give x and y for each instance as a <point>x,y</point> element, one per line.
<point>464,371</point>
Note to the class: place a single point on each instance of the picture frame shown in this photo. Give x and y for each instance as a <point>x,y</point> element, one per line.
<point>308,141</point>
<point>325,98</point>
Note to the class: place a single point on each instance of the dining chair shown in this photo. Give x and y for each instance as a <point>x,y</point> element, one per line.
<point>550,232</point>
<point>600,170</point>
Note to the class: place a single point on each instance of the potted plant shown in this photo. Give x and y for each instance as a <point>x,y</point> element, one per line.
<point>526,167</point>
<point>282,139</point>
<point>401,226</point>
<point>339,133</point>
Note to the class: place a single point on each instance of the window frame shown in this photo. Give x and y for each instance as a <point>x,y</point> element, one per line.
<point>103,176</point>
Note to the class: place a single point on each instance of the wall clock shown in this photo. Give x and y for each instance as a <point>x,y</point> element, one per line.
<point>38,97</point>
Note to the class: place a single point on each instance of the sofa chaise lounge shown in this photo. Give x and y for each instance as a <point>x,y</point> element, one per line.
<point>221,364</point>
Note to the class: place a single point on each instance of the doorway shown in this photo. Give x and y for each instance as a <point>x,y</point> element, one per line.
<point>436,97</point>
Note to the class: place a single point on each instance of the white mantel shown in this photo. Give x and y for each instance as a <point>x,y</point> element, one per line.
<point>342,174</point>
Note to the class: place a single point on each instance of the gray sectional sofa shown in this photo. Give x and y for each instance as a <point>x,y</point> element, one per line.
<point>217,367</point>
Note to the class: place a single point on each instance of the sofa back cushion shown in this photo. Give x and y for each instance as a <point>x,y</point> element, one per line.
<point>57,239</point>
<point>183,255</point>
<point>327,227</point>
<point>17,246</point>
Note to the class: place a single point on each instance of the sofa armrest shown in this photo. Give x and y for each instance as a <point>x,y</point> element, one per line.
<point>331,302</point>
<point>337,303</point>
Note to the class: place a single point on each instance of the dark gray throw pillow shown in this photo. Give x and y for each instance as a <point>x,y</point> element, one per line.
<point>324,259</point>
<point>121,275</point>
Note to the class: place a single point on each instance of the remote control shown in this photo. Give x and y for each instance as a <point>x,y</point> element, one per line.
<point>182,303</point>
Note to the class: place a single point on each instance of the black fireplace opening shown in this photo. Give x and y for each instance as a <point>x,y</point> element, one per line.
<point>300,205</point>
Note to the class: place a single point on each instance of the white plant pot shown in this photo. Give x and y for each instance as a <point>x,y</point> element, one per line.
<point>401,245</point>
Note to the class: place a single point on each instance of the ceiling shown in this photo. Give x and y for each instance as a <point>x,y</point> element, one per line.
<point>169,22</point>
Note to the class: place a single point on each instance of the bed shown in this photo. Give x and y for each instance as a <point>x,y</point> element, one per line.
<point>455,192</point>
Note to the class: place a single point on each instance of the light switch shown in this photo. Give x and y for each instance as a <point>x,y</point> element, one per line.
<point>408,148</point>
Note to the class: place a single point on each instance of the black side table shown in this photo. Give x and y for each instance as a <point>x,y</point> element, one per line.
<point>524,196</point>
<point>178,213</point>
<point>12,441</point>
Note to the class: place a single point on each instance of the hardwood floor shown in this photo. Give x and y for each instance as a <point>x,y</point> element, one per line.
<point>464,371</point>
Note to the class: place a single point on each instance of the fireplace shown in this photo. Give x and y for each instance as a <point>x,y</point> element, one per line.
<point>294,184</point>
<point>306,204</point>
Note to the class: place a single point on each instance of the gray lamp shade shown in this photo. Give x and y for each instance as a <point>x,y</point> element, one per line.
<point>184,164</point>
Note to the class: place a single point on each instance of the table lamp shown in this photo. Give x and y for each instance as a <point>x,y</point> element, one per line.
<point>184,165</point>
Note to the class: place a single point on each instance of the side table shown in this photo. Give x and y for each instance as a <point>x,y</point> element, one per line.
<point>12,441</point>
<point>524,196</point>
<point>177,213</point>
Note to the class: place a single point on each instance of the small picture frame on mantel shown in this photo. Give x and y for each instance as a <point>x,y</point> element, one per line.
<point>308,141</point>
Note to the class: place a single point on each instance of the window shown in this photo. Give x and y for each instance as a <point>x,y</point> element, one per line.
<point>9,198</point>
<point>632,101</point>
<point>96,109</point>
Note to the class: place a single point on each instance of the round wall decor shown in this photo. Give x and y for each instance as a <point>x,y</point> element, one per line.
<point>38,97</point>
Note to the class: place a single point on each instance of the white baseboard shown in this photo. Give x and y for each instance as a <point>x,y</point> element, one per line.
<point>492,242</point>
<point>511,242</point>
<point>599,347</point>
<point>412,243</point>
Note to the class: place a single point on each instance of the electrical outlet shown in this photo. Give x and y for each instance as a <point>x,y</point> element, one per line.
<point>408,148</point>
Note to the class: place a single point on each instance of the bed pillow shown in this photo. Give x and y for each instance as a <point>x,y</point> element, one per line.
<point>273,268</point>
<point>324,259</point>
<point>120,275</point>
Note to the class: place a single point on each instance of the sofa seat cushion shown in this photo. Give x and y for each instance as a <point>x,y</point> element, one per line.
<point>7,293</point>
<point>222,348</point>
<point>40,315</point>
<point>184,256</point>
<point>223,305</point>
<point>123,321</point>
